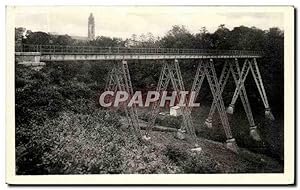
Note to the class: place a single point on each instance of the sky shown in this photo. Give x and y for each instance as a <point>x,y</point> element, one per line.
<point>123,21</point>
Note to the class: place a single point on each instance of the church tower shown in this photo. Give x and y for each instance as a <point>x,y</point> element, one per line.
<point>91,27</point>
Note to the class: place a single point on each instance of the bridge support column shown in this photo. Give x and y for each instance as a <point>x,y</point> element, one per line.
<point>163,83</point>
<point>261,89</point>
<point>206,68</point>
<point>119,79</point>
<point>222,82</point>
<point>251,65</point>
<point>31,59</point>
<point>236,73</point>
<point>234,69</point>
<point>171,73</point>
<point>216,91</point>
<point>240,84</point>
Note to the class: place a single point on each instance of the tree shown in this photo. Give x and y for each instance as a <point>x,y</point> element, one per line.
<point>37,38</point>
<point>203,39</point>
<point>178,37</point>
<point>63,40</point>
<point>244,38</point>
<point>151,40</point>
<point>203,30</point>
<point>134,37</point>
<point>103,41</point>
<point>19,35</point>
<point>220,37</point>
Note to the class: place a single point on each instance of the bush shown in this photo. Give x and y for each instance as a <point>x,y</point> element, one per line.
<point>169,121</point>
<point>88,144</point>
<point>42,94</point>
<point>191,162</point>
<point>73,143</point>
<point>166,120</point>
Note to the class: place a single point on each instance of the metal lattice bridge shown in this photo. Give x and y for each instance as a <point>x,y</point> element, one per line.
<point>235,62</point>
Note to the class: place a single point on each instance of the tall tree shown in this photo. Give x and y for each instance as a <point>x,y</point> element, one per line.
<point>37,38</point>
<point>63,40</point>
<point>19,35</point>
<point>178,37</point>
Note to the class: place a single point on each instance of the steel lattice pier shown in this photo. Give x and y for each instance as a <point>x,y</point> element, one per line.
<point>119,79</point>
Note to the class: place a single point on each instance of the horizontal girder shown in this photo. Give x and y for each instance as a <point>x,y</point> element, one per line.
<point>66,53</point>
<point>68,57</point>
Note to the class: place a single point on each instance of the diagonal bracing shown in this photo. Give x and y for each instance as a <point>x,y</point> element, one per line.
<point>171,73</point>
<point>206,69</point>
<point>251,65</point>
<point>234,69</point>
<point>119,79</point>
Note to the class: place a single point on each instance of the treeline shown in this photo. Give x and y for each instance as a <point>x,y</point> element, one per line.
<point>241,38</point>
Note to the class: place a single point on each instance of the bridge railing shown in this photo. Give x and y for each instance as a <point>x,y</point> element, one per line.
<point>62,49</point>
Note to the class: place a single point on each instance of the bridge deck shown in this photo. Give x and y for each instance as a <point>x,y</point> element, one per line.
<point>65,53</point>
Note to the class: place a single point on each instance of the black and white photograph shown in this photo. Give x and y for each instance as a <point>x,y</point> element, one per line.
<point>151,90</point>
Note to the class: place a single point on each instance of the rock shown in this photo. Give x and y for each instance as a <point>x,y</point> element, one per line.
<point>182,130</point>
<point>208,123</point>
<point>230,109</point>
<point>180,135</point>
<point>254,134</point>
<point>269,115</point>
<point>231,145</point>
<point>198,149</point>
<point>146,138</point>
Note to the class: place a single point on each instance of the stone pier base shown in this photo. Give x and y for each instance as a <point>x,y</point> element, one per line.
<point>31,59</point>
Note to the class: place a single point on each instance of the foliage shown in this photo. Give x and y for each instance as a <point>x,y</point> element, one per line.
<point>169,121</point>
<point>178,37</point>
<point>73,143</point>
<point>103,41</point>
<point>46,92</point>
<point>191,163</point>
<point>60,130</point>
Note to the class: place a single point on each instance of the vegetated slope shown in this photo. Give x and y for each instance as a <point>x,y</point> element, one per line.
<point>214,157</point>
<point>60,130</point>
<point>97,143</point>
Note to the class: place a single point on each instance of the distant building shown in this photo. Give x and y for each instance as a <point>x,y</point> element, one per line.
<point>77,38</point>
<point>91,31</point>
<point>80,38</point>
<point>132,43</point>
<point>91,27</point>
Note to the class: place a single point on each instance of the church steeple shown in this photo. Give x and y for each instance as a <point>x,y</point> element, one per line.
<point>91,27</point>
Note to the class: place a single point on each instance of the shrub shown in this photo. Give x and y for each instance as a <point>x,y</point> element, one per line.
<point>191,162</point>
<point>169,121</point>
<point>73,143</point>
<point>88,144</point>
